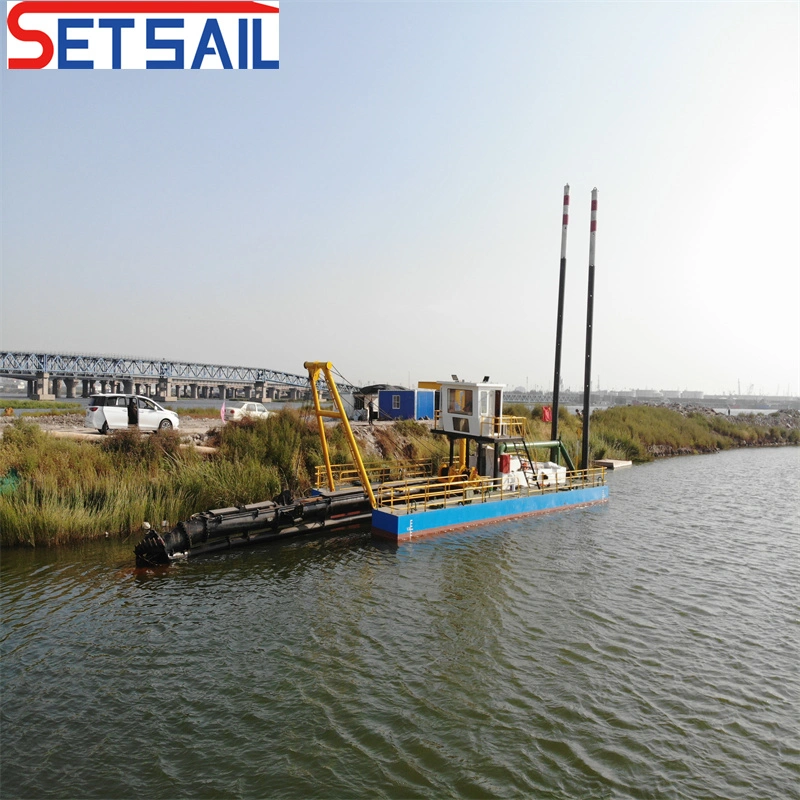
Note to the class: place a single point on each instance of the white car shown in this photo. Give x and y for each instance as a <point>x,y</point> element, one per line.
<point>241,410</point>
<point>109,412</point>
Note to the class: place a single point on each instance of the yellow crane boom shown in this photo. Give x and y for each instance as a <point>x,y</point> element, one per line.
<point>323,368</point>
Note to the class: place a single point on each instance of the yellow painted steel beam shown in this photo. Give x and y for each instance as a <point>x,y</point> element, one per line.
<point>462,453</point>
<point>314,369</point>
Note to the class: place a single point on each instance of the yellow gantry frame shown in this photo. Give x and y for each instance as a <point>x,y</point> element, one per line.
<point>314,369</point>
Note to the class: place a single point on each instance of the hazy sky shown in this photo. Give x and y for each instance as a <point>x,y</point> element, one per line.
<point>390,198</point>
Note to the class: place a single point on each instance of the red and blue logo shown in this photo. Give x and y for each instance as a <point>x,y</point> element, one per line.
<point>150,34</point>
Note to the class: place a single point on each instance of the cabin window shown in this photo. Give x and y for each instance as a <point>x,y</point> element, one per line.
<point>459,401</point>
<point>395,402</point>
<point>484,401</point>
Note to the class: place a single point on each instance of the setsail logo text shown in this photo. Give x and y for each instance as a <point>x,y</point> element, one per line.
<point>156,34</point>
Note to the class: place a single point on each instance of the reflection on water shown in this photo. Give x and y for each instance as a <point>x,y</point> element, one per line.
<point>645,648</point>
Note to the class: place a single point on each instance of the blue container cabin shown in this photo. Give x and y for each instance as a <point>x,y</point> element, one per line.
<point>406,403</point>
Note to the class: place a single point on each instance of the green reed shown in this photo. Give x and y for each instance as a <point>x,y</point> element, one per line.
<point>71,490</point>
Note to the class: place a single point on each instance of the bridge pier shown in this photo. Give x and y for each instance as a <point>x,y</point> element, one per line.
<point>39,387</point>
<point>164,390</point>
<point>69,386</point>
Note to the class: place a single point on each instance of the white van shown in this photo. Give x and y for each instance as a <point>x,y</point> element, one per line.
<point>109,412</point>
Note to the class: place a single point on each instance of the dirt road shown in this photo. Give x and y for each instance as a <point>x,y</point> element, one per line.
<point>191,430</point>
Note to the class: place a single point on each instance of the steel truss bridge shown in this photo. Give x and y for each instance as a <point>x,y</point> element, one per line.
<point>74,367</point>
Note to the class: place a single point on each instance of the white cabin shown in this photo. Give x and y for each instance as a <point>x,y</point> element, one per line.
<point>474,409</point>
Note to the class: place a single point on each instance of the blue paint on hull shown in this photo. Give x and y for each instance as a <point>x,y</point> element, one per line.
<point>399,527</point>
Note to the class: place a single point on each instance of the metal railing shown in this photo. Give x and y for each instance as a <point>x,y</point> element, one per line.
<point>409,497</point>
<point>347,474</point>
<point>492,426</point>
<point>503,426</point>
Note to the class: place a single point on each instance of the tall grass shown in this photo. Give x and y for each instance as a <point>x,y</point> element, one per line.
<point>640,433</point>
<point>76,490</point>
<point>287,441</point>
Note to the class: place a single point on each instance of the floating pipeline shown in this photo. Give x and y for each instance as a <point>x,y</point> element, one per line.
<point>243,526</point>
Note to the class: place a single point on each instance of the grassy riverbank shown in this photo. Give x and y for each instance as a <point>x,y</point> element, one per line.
<point>68,490</point>
<point>40,405</point>
<point>642,433</point>
<point>60,491</point>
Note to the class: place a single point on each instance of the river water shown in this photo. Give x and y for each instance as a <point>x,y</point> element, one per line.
<point>646,648</point>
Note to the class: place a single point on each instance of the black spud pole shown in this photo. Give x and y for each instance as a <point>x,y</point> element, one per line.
<point>587,378</point>
<point>562,278</point>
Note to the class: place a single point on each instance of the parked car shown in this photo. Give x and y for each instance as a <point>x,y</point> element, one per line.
<point>247,409</point>
<point>109,412</point>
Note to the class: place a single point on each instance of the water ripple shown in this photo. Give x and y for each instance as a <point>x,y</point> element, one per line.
<point>648,648</point>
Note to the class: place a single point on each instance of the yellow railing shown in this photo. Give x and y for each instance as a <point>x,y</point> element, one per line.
<point>406,497</point>
<point>492,426</point>
<point>347,474</point>
<point>502,426</point>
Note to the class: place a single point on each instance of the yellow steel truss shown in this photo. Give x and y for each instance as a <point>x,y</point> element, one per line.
<point>315,369</point>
